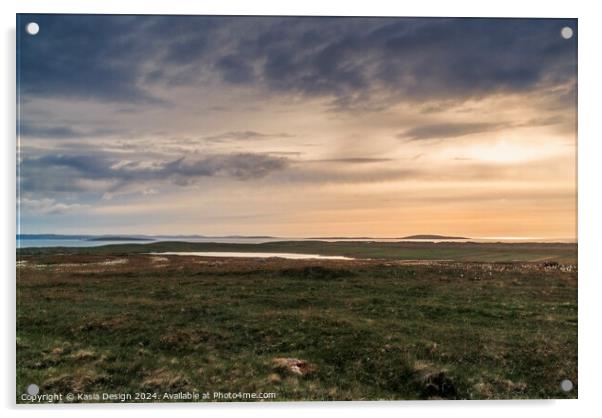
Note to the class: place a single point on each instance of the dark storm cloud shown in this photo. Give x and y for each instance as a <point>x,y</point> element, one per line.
<point>357,59</point>
<point>447,130</point>
<point>67,170</point>
<point>235,70</point>
<point>241,166</point>
<point>349,60</point>
<point>91,57</point>
<point>61,132</point>
<point>187,37</point>
<point>48,132</point>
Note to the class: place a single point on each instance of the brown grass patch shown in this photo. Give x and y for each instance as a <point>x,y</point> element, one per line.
<point>82,380</point>
<point>165,379</point>
<point>293,365</point>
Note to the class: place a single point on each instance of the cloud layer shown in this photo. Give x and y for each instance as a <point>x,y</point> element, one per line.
<point>182,171</point>
<point>344,125</point>
<point>353,61</point>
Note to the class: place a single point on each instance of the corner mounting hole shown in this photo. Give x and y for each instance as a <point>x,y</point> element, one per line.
<point>566,385</point>
<point>33,389</point>
<point>32,28</point>
<point>566,32</point>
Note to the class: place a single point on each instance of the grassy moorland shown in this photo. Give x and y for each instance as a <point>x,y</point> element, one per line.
<point>458,251</point>
<point>112,319</point>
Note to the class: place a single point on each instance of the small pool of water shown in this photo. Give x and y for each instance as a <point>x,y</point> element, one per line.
<point>291,256</point>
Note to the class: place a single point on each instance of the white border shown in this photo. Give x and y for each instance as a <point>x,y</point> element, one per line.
<point>590,208</point>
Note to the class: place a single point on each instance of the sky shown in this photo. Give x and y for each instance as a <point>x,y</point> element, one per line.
<point>297,126</point>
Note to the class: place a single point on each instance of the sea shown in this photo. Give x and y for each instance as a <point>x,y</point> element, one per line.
<point>27,242</point>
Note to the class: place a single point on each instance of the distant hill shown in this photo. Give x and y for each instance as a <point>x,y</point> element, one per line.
<point>431,237</point>
<point>119,239</point>
<point>341,238</point>
<point>244,236</point>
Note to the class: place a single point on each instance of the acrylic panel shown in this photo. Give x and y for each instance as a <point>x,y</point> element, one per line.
<point>287,208</point>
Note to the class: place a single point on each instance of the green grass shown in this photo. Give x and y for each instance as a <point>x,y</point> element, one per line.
<point>369,330</point>
<point>458,251</point>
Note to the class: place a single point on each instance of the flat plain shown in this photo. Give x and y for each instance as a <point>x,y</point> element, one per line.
<point>401,321</point>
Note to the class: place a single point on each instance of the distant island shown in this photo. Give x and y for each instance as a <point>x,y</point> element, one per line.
<point>425,236</point>
<point>341,238</point>
<point>119,239</point>
<point>431,237</point>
